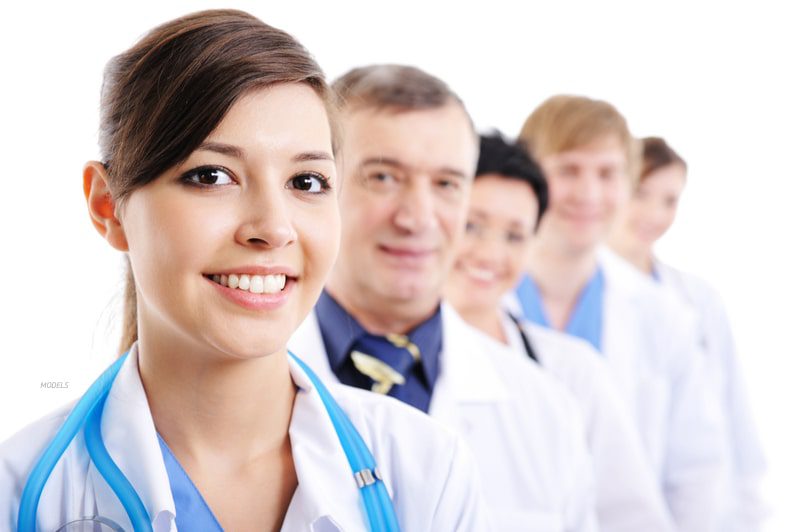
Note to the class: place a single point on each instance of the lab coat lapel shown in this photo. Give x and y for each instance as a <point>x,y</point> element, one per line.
<point>327,491</point>
<point>467,375</point>
<point>621,341</point>
<point>130,437</point>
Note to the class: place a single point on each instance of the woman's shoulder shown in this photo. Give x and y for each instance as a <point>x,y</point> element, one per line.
<point>25,445</point>
<point>18,454</point>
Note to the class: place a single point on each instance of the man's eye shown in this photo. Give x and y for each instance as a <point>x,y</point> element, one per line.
<point>382,177</point>
<point>313,183</point>
<point>474,228</point>
<point>208,176</point>
<point>514,237</point>
<point>448,184</point>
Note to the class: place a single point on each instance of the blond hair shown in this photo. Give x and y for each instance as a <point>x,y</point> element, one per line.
<point>565,122</point>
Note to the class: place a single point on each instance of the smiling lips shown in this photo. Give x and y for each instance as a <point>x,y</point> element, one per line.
<point>254,292</point>
<point>407,257</point>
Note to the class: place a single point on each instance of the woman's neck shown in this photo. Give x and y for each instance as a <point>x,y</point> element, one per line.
<point>206,407</point>
<point>227,422</point>
<point>640,256</point>
<point>487,320</point>
<point>560,276</point>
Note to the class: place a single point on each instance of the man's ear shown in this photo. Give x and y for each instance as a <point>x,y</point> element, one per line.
<point>102,206</point>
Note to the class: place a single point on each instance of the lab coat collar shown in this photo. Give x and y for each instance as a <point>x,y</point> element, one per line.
<point>320,463</point>
<point>130,437</point>
<point>468,371</point>
<point>621,277</point>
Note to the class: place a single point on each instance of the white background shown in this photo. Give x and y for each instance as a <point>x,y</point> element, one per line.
<point>719,81</point>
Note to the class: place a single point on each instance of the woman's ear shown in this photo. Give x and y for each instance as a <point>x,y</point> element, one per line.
<point>101,204</point>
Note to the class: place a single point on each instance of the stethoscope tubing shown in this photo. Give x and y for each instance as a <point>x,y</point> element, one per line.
<point>115,478</point>
<point>29,502</point>
<point>88,413</point>
<point>377,503</point>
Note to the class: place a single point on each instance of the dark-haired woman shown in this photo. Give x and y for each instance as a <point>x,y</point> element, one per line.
<point>648,215</point>
<point>508,198</point>
<point>218,182</point>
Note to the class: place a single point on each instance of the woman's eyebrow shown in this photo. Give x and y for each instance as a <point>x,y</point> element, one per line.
<point>223,149</point>
<point>312,156</point>
<point>234,151</point>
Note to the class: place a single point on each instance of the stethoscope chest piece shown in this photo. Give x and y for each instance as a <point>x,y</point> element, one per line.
<point>91,524</point>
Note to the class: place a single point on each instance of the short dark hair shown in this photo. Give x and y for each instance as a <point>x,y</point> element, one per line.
<point>393,87</point>
<point>658,154</point>
<point>511,160</point>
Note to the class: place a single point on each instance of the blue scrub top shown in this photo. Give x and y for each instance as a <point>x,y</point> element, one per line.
<point>586,320</point>
<point>191,510</point>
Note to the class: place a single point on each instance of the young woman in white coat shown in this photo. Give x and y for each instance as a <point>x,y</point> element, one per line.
<point>650,341</point>
<point>507,200</point>
<point>218,183</point>
<point>644,220</point>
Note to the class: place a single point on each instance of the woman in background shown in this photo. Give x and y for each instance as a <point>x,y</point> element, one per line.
<point>649,214</point>
<point>507,200</point>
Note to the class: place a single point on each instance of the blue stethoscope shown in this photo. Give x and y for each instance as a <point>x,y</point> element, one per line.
<point>88,412</point>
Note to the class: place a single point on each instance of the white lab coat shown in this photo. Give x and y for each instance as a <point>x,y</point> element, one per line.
<point>651,342</point>
<point>629,497</point>
<point>745,464</point>
<point>427,470</point>
<point>523,427</point>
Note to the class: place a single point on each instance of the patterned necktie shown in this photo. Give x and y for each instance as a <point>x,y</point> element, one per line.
<point>386,360</point>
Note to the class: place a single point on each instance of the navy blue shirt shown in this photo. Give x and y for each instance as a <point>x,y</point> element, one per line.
<point>340,331</point>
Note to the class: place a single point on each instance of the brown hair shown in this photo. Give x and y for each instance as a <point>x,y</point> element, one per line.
<point>164,96</point>
<point>658,154</point>
<point>392,87</point>
<point>564,122</point>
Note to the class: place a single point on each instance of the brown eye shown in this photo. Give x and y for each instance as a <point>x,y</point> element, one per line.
<point>312,183</point>
<point>208,176</point>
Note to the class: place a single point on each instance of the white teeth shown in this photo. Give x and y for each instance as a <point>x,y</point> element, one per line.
<point>270,284</point>
<point>255,284</point>
<point>481,274</point>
